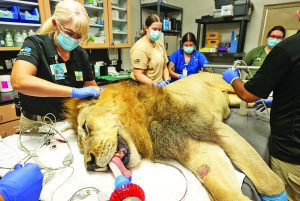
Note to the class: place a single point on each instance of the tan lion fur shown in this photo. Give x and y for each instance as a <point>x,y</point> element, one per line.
<point>183,122</point>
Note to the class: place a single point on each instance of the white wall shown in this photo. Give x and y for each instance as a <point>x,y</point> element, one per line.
<point>193,9</point>
<point>255,24</point>
<point>135,26</point>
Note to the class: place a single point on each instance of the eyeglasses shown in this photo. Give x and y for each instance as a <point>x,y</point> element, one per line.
<point>70,33</point>
<point>277,37</point>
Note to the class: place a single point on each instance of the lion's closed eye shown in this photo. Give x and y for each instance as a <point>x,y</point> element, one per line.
<point>85,128</point>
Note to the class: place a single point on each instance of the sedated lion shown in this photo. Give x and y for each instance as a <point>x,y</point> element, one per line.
<point>182,121</point>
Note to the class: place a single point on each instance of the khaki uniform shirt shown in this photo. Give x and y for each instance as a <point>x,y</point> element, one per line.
<point>150,57</point>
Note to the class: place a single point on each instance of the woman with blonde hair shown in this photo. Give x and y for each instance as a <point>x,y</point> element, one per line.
<point>52,66</point>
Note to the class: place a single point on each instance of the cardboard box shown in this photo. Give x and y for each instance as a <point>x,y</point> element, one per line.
<point>7,113</point>
<point>9,128</point>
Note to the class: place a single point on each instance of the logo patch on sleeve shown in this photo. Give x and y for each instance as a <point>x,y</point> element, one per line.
<point>25,51</point>
<point>137,61</point>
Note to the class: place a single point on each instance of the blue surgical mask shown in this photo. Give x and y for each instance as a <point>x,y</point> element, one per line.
<point>189,49</point>
<point>272,42</point>
<point>154,35</point>
<point>66,42</point>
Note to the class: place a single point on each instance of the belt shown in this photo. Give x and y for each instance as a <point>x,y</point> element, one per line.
<point>36,117</point>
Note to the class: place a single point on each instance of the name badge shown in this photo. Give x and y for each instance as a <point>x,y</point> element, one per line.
<point>78,75</point>
<point>58,70</point>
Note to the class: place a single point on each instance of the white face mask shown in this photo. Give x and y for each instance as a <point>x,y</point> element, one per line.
<point>272,42</point>
<point>154,35</point>
<point>66,42</point>
<point>188,49</point>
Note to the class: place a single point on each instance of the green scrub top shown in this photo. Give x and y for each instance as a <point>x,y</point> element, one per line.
<point>255,57</point>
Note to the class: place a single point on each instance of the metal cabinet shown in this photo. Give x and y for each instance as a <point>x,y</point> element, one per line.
<point>242,20</point>
<point>173,34</point>
<point>17,23</point>
<point>109,22</point>
<point>164,10</point>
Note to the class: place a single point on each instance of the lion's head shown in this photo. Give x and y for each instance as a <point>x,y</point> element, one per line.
<point>143,121</point>
<point>99,133</point>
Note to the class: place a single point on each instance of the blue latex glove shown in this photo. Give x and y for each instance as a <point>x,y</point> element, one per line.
<point>22,183</point>
<point>229,75</point>
<point>258,105</point>
<point>86,92</point>
<point>181,76</point>
<point>280,197</point>
<point>162,83</point>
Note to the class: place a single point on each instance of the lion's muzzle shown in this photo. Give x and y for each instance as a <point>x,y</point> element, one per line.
<point>91,165</point>
<point>98,159</point>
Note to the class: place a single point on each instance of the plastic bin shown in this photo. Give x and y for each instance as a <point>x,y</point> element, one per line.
<point>29,16</point>
<point>9,17</point>
<point>212,43</point>
<point>213,35</point>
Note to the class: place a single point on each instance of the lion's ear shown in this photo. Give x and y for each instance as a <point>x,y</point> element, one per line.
<point>72,107</point>
<point>71,110</point>
<point>71,104</point>
<point>84,103</point>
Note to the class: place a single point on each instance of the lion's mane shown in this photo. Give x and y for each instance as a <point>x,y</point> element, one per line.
<point>159,125</point>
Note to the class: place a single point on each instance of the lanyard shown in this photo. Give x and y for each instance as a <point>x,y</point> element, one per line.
<point>186,64</point>
<point>56,59</point>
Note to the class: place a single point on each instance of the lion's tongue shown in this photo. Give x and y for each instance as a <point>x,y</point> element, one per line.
<point>118,162</point>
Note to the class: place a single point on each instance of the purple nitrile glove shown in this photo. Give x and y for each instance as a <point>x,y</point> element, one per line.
<point>86,92</point>
<point>280,197</point>
<point>181,76</point>
<point>162,83</point>
<point>258,105</point>
<point>22,183</point>
<point>230,75</point>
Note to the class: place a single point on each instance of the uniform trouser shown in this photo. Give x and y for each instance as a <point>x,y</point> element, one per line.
<point>290,175</point>
<point>28,125</point>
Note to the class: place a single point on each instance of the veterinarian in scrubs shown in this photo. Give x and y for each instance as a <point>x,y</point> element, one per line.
<point>52,66</point>
<point>186,61</point>
<point>257,55</point>
<point>148,56</point>
<point>24,183</point>
<point>279,73</point>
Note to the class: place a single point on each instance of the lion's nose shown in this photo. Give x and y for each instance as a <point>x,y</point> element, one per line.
<point>91,165</point>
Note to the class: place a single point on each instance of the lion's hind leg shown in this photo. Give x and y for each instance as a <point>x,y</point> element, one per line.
<point>243,155</point>
<point>214,169</point>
